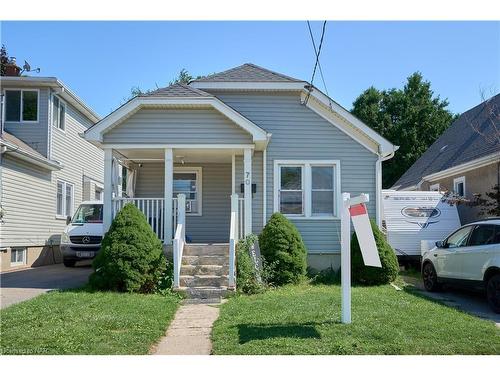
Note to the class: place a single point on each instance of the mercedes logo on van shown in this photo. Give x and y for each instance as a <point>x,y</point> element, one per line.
<point>86,240</point>
<point>420,212</point>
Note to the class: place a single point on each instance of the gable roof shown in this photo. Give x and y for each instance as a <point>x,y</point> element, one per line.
<point>247,73</point>
<point>23,151</point>
<point>461,143</point>
<point>178,90</point>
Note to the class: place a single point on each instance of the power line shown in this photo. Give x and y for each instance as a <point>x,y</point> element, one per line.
<point>317,60</point>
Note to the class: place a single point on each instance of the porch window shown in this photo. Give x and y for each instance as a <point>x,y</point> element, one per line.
<point>21,105</point>
<point>188,182</point>
<point>307,189</point>
<point>64,199</point>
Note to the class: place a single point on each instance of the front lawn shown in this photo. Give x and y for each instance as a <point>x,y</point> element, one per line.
<point>305,319</point>
<point>80,322</point>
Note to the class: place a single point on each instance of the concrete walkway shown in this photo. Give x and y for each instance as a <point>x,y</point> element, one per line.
<point>21,285</point>
<point>189,332</point>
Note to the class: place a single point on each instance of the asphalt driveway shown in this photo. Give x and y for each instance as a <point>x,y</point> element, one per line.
<point>18,286</point>
<point>471,302</point>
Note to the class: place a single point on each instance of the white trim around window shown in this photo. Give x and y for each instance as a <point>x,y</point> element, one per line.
<point>199,189</point>
<point>17,256</point>
<point>59,117</point>
<point>21,120</point>
<point>307,187</point>
<point>62,199</point>
<point>434,187</point>
<point>456,182</point>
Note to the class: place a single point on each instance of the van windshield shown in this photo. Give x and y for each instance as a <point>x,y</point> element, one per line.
<point>88,213</point>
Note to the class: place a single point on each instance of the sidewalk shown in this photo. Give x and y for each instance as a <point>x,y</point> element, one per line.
<point>189,332</point>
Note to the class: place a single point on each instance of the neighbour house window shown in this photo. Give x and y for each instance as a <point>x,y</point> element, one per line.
<point>65,199</point>
<point>58,113</point>
<point>17,256</point>
<point>188,182</point>
<point>434,187</point>
<point>21,105</point>
<point>98,194</point>
<point>307,188</point>
<point>459,186</point>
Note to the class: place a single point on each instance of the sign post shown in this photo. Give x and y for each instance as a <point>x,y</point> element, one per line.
<point>355,209</point>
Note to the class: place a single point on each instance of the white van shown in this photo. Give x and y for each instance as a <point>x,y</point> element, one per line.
<point>82,236</point>
<point>413,219</point>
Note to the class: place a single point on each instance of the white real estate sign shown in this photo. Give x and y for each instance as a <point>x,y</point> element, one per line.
<point>355,208</point>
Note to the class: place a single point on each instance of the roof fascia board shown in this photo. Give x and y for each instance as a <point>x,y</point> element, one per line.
<point>63,90</point>
<point>277,86</point>
<point>41,162</point>
<point>386,147</point>
<point>465,167</point>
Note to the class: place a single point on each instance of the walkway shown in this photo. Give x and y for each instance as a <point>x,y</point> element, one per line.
<point>189,332</point>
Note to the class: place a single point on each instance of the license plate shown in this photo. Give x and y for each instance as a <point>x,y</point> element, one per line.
<point>85,254</point>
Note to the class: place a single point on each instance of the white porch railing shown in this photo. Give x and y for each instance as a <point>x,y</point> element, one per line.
<point>234,236</point>
<point>180,238</point>
<point>152,208</point>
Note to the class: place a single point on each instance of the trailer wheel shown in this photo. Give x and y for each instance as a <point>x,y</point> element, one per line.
<point>429,277</point>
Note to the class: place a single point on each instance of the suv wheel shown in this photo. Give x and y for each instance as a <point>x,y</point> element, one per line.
<point>493,293</point>
<point>69,263</point>
<point>429,276</point>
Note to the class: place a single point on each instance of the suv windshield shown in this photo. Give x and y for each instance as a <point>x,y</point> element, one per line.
<point>88,213</point>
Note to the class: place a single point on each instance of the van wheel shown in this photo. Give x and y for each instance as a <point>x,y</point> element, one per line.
<point>493,293</point>
<point>69,263</point>
<point>429,276</point>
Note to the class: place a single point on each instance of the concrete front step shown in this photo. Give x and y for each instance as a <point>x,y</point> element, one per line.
<point>203,281</point>
<point>213,270</point>
<point>206,249</point>
<point>214,260</point>
<point>204,293</point>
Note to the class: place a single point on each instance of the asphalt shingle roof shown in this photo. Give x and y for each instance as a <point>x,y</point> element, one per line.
<point>10,138</point>
<point>177,90</point>
<point>247,73</point>
<point>473,135</point>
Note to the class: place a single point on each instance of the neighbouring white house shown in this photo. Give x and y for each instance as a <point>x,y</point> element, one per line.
<point>237,146</point>
<point>46,167</point>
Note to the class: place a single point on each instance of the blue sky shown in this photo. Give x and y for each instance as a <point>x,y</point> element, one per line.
<point>101,61</point>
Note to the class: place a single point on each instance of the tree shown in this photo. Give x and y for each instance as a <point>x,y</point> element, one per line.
<point>412,118</point>
<point>4,59</point>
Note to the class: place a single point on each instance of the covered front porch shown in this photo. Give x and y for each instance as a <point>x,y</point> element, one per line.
<point>206,177</point>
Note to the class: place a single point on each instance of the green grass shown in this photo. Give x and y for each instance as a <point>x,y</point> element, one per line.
<point>305,319</point>
<point>80,322</point>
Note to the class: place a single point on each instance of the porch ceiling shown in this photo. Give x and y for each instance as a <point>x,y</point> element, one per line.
<point>186,155</point>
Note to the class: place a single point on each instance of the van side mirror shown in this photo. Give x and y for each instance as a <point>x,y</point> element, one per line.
<point>68,220</point>
<point>440,244</point>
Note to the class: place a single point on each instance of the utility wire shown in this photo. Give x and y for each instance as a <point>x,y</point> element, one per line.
<point>317,60</point>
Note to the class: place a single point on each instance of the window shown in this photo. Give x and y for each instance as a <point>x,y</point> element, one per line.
<point>459,238</point>
<point>291,195</point>
<point>58,113</point>
<point>98,194</point>
<point>434,187</point>
<point>21,105</point>
<point>64,199</point>
<point>485,235</point>
<point>17,256</point>
<point>188,181</point>
<point>459,186</point>
<point>307,189</point>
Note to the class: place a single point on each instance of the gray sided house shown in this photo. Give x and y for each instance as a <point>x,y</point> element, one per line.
<point>46,168</point>
<point>250,132</point>
<point>465,159</point>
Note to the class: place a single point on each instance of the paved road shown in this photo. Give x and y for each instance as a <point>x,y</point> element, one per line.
<point>25,284</point>
<point>472,302</point>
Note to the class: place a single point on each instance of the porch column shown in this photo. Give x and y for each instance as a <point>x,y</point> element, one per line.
<point>168,195</point>
<point>247,178</point>
<point>107,215</point>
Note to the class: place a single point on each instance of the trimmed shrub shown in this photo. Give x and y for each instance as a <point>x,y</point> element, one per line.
<point>247,278</point>
<point>367,275</point>
<point>281,245</point>
<point>131,258</point>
